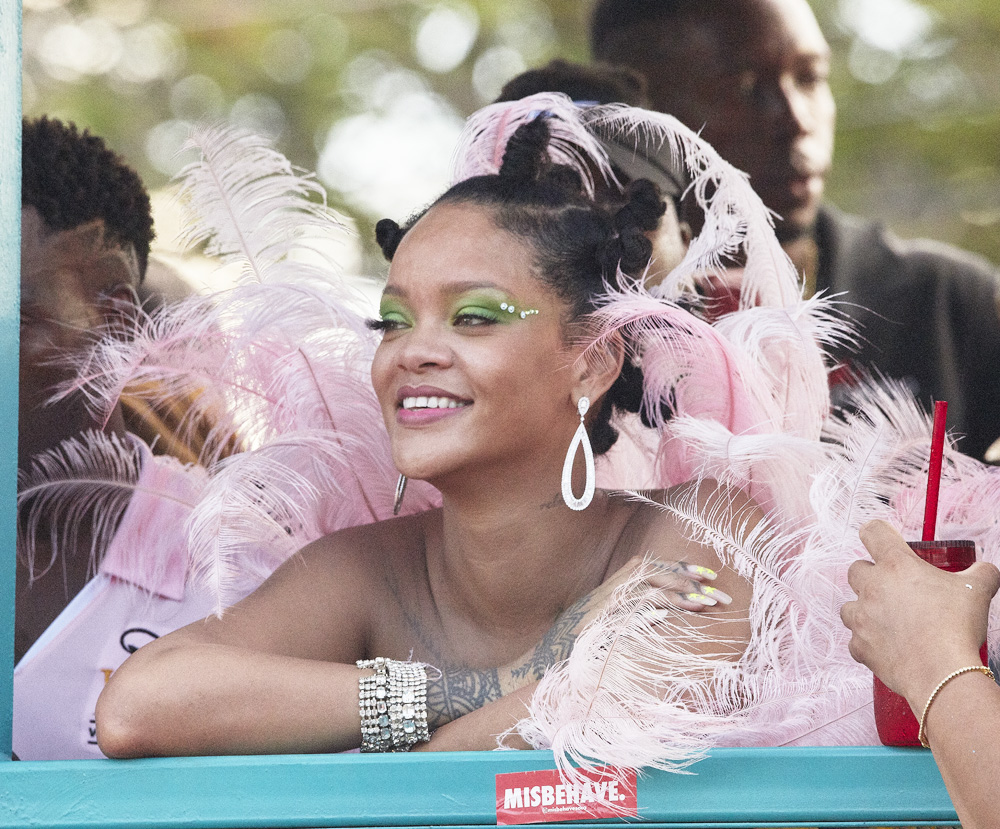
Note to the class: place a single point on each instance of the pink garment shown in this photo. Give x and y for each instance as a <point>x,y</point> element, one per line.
<point>57,682</point>
<point>149,550</point>
<point>138,595</point>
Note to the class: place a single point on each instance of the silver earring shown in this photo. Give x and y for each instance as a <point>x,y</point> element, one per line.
<point>400,491</point>
<point>579,439</point>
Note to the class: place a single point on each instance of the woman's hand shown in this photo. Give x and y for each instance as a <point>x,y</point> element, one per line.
<point>913,623</point>
<point>676,583</point>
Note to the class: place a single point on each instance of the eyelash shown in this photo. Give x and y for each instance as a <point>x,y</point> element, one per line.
<point>382,326</point>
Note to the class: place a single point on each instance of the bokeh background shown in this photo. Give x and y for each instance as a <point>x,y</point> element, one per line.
<point>371,93</point>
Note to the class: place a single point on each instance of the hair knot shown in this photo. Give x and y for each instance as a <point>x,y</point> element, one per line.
<point>526,156</point>
<point>388,234</point>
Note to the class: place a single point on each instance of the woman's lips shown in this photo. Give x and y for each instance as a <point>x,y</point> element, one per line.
<point>418,409</point>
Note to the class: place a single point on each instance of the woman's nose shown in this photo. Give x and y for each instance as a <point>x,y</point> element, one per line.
<point>423,347</point>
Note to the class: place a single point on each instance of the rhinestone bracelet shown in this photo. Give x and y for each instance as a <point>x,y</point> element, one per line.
<point>393,705</point>
<point>373,705</point>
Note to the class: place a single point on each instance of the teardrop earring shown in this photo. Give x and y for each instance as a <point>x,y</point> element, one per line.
<point>580,438</point>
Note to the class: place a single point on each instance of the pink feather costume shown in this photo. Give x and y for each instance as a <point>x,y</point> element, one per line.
<point>748,403</point>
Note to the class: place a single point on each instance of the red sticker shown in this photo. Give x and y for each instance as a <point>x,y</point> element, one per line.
<point>544,797</point>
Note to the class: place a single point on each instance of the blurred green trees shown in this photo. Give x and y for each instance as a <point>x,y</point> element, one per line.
<point>371,93</point>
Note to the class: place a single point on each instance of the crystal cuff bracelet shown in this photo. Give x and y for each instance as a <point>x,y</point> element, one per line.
<point>393,705</point>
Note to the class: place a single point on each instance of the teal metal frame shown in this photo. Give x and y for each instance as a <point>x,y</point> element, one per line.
<point>733,787</point>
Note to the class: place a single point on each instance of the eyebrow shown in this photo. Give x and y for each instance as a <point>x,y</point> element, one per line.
<point>452,288</point>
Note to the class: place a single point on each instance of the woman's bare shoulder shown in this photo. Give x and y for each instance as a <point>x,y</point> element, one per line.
<point>318,604</point>
<point>363,553</point>
<point>674,520</point>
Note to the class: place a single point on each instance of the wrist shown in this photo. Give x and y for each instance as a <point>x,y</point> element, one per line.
<point>924,678</point>
<point>942,689</point>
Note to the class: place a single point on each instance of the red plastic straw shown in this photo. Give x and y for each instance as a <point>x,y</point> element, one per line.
<point>934,470</point>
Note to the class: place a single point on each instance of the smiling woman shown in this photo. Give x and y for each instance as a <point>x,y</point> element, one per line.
<point>480,374</point>
<point>511,598</point>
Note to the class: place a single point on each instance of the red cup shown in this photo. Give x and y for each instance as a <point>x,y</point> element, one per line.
<point>895,722</point>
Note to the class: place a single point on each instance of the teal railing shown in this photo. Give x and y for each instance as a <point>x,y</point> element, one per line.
<point>734,787</point>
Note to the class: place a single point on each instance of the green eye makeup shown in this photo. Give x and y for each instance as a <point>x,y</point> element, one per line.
<point>393,315</point>
<point>492,308</point>
<point>470,310</point>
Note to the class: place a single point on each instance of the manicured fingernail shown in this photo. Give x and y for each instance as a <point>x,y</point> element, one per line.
<point>704,572</point>
<point>698,598</point>
<point>715,593</point>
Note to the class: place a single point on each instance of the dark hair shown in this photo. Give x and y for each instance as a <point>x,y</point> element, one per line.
<point>599,83</point>
<point>72,178</point>
<point>579,245</point>
<point>611,19</point>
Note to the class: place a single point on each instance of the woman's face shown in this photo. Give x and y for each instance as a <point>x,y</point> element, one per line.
<point>463,382</point>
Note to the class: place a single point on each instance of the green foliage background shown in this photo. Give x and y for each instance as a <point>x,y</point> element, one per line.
<point>918,140</point>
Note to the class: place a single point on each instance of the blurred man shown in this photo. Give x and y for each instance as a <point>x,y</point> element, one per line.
<point>86,232</point>
<point>752,76</point>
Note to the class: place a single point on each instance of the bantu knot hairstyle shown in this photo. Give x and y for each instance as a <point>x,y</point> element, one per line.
<point>599,83</point>
<point>579,246</point>
<point>630,249</point>
<point>72,178</point>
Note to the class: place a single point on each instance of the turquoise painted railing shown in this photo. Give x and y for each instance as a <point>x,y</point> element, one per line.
<point>10,256</point>
<point>734,787</point>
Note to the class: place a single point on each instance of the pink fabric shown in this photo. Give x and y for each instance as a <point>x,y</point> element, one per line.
<point>631,462</point>
<point>57,683</point>
<point>150,549</point>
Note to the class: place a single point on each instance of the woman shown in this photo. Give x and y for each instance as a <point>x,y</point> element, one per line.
<point>482,377</point>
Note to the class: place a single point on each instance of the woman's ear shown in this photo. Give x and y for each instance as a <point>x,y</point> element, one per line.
<point>598,368</point>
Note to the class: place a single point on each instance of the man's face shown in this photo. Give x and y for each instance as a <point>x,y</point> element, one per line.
<point>752,76</point>
<point>68,283</point>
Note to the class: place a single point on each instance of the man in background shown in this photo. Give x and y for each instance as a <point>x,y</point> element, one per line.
<point>82,606</point>
<point>752,76</point>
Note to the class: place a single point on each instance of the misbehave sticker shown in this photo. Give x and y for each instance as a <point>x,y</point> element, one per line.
<point>544,797</point>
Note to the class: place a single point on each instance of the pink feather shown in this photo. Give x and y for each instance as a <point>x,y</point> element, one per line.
<point>635,693</point>
<point>735,218</point>
<point>483,142</point>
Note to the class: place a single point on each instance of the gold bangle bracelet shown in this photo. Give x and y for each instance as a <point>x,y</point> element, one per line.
<point>982,669</point>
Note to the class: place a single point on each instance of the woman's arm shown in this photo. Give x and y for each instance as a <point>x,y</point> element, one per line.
<point>913,625</point>
<point>182,696</point>
<point>274,674</point>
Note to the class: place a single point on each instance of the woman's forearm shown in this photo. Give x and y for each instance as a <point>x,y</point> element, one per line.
<point>196,698</point>
<point>963,725</point>
<point>199,698</point>
<point>189,694</point>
